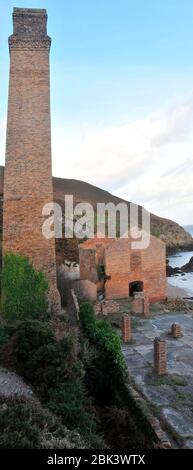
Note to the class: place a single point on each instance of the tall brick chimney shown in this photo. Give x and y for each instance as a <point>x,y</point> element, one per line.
<point>28,172</point>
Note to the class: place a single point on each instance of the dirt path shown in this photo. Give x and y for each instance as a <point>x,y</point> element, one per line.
<point>11,385</point>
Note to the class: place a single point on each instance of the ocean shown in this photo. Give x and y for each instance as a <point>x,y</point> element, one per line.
<point>178,260</point>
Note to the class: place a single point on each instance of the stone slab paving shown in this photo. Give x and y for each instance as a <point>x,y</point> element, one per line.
<point>172,394</point>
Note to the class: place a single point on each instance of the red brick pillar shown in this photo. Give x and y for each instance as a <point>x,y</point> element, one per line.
<point>126,329</point>
<point>160,361</point>
<point>146,306</point>
<point>138,303</point>
<point>176,331</point>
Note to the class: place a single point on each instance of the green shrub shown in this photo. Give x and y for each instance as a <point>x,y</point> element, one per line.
<point>24,290</point>
<point>17,427</point>
<point>69,401</point>
<point>52,364</point>
<point>106,376</point>
<point>88,320</point>
<point>109,345</point>
<point>31,335</point>
<point>41,359</point>
<point>24,425</point>
<point>4,338</point>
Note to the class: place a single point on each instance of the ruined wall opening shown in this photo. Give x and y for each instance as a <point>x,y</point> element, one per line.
<point>135,286</point>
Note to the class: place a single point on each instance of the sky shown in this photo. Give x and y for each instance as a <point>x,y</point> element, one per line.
<point>121,97</point>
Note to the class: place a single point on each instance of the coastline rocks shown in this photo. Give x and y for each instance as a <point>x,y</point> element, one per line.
<point>172,271</point>
<point>188,267</point>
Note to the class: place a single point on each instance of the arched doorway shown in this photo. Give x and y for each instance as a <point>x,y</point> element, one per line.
<point>135,286</point>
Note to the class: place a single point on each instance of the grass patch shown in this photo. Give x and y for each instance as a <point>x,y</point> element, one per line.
<point>172,380</point>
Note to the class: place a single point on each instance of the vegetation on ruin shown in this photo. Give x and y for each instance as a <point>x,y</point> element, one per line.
<point>107,384</point>
<point>23,289</point>
<point>80,379</point>
<point>27,425</point>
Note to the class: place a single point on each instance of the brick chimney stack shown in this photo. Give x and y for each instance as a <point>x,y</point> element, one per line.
<point>28,173</point>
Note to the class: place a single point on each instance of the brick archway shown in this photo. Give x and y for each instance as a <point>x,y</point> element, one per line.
<point>135,286</point>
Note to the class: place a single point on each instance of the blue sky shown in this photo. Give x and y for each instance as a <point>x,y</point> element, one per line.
<point>121,95</point>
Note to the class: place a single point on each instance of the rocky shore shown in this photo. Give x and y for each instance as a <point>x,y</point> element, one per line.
<point>186,268</point>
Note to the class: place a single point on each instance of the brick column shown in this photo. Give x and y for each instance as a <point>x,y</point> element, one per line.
<point>176,331</point>
<point>146,306</point>
<point>28,173</point>
<point>160,361</point>
<point>140,304</point>
<point>126,329</point>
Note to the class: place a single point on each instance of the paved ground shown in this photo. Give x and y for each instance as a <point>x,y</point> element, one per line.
<point>171,395</point>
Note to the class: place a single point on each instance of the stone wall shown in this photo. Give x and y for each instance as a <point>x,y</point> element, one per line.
<point>73,308</point>
<point>85,290</point>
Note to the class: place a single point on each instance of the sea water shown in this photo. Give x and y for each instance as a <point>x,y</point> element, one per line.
<point>177,261</point>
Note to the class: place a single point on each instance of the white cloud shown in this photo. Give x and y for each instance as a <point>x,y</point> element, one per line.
<point>146,161</point>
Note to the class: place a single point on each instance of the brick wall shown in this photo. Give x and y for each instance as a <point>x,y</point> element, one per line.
<point>150,268</point>
<point>88,266</point>
<point>124,265</point>
<point>28,173</point>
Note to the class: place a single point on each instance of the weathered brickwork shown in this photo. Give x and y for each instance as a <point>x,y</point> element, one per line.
<point>176,330</point>
<point>140,304</point>
<point>28,173</point>
<point>146,306</point>
<point>126,329</point>
<point>151,271</point>
<point>160,358</point>
<point>109,307</point>
<point>123,266</point>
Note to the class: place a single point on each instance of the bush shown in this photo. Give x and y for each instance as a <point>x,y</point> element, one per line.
<point>18,431</point>
<point>88,320</point>
<point>52,364</point>
<point>24,425</point>
<point>24,290</point>
<point>109,345</point>
<point>41,359</point>
<point>4,338</point>
<point>106,376</point>
<point>69,401</point>
<point>31,335</point>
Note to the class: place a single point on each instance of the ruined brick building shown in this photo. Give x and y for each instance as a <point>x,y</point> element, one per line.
<point>119,271</point>
<point>28,173</point>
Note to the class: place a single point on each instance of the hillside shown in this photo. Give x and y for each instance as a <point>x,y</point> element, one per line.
<point>174,235</point>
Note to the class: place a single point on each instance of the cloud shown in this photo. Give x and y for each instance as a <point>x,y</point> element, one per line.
<point>147,161</point>
<point>177,125</point>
